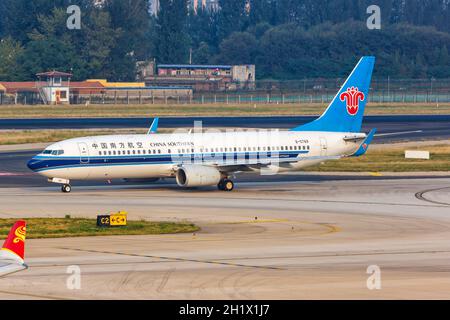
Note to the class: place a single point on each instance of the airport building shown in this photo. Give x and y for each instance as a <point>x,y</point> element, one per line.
<point>56,87</point>
<point>202,77</point>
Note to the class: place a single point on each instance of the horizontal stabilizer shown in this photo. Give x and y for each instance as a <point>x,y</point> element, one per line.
<point>365,145</point>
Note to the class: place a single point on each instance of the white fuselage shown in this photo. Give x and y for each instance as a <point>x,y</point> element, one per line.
<point>158,155</point>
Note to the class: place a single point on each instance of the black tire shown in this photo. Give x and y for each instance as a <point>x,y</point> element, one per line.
<point>228,185</point>
<point>66,188</point>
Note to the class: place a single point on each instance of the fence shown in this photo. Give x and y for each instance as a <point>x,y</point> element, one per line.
<point>265,91</point>
<point>324,90</point>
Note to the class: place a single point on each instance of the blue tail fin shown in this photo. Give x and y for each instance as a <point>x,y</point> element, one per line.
<point>346,111</point>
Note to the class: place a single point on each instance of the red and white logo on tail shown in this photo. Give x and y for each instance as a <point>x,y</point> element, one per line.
<point>352,97</point>
<point>15,243</point>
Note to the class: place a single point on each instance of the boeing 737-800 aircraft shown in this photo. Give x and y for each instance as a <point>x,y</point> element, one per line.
<point>211,158</point>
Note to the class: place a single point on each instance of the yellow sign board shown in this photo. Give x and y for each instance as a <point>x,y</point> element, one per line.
<point>118,219</point>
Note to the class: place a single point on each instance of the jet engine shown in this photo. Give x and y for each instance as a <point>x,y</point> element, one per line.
<point>197,176</point>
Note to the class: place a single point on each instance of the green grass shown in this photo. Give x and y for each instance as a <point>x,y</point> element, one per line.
<point>390,159</point>
<point>219,109</point>
<point>81,227</point>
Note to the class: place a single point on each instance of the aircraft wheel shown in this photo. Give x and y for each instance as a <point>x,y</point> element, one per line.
<point>66,188</point>
<point>228,185</point>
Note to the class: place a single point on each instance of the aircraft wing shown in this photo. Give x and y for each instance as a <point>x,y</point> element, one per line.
<point>11,267</point>
<point>234,165</point>
<point>13,250</point>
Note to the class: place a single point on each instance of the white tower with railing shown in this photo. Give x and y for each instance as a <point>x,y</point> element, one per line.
<point>54,87</point>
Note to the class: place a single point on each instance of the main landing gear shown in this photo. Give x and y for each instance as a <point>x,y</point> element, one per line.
<point>66,188</point>
<point>225,185</point>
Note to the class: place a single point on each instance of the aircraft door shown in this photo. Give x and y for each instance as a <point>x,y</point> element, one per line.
<point>323,147</point>
<point>84,152</point>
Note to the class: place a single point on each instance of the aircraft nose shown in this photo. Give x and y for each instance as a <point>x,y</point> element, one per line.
<point>33,164</point>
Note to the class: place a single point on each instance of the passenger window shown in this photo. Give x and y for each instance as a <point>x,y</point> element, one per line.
<point>159,151</point>
<point>169,151</point>
<point>109,152</point>
<point>134,151</point>
<point>99,153</point>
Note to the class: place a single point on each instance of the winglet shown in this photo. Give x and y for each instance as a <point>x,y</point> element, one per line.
<point>14,246</point>
<point>154,127</point>
<point>365,145</point>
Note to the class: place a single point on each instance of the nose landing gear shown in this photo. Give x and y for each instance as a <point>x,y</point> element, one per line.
<point>66,188</point>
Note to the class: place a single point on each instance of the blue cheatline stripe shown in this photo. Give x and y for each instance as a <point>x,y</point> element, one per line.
<point>131,156</point>
<point>51,163</point>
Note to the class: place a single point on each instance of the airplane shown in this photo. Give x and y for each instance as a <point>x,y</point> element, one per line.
<point>13,250</point>
<point>198,158</point>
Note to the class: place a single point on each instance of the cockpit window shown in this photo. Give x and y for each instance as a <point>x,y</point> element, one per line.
<point>53,152</point>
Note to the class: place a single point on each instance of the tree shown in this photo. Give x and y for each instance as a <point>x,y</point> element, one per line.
<point>21,16</point>
<point>238,48</point>
<point>2,19</point>
<point>202,27</point>
<point>10,52</point>
<point>98,40</point>
<point>443,56</point>
<point>232,17</point>
<point>85,52</point>
<point>261,11</point>
<point>132,19</point>
<point>172,42</point>
<point>202,54</point>
<point>49,54</point>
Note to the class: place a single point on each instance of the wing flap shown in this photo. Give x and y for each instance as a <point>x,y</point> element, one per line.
<point>260,163</point>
